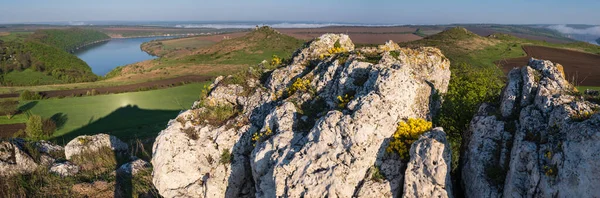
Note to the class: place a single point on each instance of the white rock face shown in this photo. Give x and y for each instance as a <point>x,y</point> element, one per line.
<point>65,169</point>
<point>308,142</point>
<point>14,160</point>
<point>553,152</point>
<point>93,143</point>
<point>428,172</point>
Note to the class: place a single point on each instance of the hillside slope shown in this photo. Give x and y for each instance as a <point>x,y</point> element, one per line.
<point>225,57</point>
<point>63,67</point>
<point>68,39</point>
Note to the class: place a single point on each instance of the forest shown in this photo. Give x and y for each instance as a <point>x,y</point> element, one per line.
<point>68,39</point>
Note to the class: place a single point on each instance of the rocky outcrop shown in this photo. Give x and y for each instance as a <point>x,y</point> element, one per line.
<point>319,126</point>
<point>93,143</point>
<point>428,172</point>
<point>542,141</point>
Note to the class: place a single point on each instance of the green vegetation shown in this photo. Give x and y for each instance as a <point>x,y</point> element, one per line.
<point>407,133</point>
<point>249,49</point>
<point>20,61</point>
<point>15,36</point>
<point>146,112</point>
<point>376,174</point>
<point>68,39</point>
<point>226,157</point>
<point>215,114</point>
<point>28,95</point>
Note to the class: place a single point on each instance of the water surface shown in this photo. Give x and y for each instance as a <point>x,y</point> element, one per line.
<point>105,56</point>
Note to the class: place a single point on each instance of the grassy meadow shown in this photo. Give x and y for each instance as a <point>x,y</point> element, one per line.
<point>127,115</point>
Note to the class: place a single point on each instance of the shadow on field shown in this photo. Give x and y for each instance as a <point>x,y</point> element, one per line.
<point>28,106</point>
<point>126,123</point>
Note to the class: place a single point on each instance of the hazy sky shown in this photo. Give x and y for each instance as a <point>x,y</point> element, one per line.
<point>351,11</point>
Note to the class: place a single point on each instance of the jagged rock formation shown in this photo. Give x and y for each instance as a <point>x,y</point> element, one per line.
<point>317,127</point>
<point>543,141</point>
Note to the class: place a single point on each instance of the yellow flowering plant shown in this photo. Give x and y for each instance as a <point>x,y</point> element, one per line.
<point>407,133</point>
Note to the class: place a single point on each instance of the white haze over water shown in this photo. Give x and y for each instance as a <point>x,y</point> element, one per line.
<point>275,25</point>
<point>569,30</point>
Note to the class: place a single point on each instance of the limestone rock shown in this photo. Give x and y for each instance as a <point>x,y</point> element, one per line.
<point>428,172</point>
<point>322,140</point>
<point>133,167</point>
<point>547,149</point>
<point>93,143</point>
<point>14,159</point>
<point>65,169</point>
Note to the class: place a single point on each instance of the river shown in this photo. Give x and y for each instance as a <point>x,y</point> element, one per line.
<point>105,56</point>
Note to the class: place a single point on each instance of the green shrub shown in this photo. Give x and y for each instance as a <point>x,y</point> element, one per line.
<point>29,95</point>
<point>469,87</point>
<point>407,133</point>
<point>226,157</point>
<point>376,174</point>
<point>34,128</point>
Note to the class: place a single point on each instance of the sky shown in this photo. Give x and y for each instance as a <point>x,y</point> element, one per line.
<point>343,11</point>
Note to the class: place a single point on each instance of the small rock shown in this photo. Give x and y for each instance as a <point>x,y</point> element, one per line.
<point>133,167</point>
<point>14,160</point>
<point>65,169</point>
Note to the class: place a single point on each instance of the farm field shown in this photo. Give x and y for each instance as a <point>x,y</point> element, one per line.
<point>126,115</point>
<point>581,68</point>
<point>359,35</point>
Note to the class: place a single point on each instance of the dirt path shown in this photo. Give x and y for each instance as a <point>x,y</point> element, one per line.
<point>122,88</point>
<point>582,68</point>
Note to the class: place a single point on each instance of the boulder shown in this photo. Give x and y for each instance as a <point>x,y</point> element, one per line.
<point>428,171</point>
<point>14,159</point>
<point>93,143</point>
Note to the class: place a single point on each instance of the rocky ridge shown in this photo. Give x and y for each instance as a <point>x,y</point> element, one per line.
<point>542,140</point>
<point>318,126</point>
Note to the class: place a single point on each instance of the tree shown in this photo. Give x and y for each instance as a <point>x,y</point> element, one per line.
<point>34,128</point>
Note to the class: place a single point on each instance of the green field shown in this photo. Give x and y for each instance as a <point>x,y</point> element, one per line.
<point>127,115</point>
<point>30,77</point>
<point>15,36</point>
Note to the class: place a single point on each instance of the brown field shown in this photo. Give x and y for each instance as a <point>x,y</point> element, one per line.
<point>359,35</point>
<point>581,68</point>
<point>4,33</point>
<point>7,130</point>
<point>120,89</point>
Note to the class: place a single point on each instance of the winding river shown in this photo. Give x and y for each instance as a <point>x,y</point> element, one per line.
<point>105,56</point>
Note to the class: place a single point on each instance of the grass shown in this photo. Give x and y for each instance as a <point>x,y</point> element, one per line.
<point>16,36</point>
<point>583,88</point>
<point>29,77</point>
<point>127,115</point>
<point>186,43</point>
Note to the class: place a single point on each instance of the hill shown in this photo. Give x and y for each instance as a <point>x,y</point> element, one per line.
<point>45,64</point>
<point>68,39</point>
<point>224,57</point>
